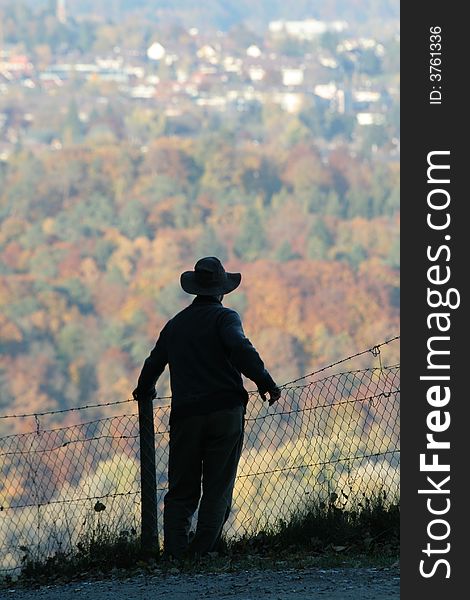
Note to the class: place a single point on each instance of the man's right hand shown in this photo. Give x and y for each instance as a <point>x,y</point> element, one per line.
<point>137,395</point>
<point>274,395</point>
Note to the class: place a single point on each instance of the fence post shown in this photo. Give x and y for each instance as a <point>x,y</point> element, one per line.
<point>148,478</point>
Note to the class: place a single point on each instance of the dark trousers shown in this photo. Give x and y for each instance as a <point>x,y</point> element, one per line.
<point>203,449</point>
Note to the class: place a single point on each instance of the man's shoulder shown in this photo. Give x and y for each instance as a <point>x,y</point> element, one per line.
<point>229,314</point>
<point>188,310</point>
<point>179,314</point>
<point>227,310</point>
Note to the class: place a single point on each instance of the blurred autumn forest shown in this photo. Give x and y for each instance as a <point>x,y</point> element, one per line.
<point>94,239</point>
<point>95,233</point>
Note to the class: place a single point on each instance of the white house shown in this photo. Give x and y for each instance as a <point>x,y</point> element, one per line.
<point>292,76</point>
<point>156,51</point>
<point>253,51</point>
<point>308,29</point>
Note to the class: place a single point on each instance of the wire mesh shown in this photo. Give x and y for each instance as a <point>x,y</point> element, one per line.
<point>334,438</point>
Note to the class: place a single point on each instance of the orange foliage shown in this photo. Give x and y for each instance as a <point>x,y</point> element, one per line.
<point>304,168</point>
<point>10,331</point>
<point>70,261</point>
<point>169,157</point>
<point>297,312</point>
<point>299,296</point>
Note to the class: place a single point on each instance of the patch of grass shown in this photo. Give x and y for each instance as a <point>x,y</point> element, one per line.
<point>371,528</point>
<point>99,551</point>
<point>320,535</point>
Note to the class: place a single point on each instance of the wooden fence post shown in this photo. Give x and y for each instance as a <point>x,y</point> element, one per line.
<point>148,479</point>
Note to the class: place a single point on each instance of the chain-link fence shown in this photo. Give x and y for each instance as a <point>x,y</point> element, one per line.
<point>334,434</point>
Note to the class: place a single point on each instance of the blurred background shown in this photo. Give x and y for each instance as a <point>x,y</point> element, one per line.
<point>138,136</point>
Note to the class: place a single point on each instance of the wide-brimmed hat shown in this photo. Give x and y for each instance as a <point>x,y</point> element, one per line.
<point>209,278</point>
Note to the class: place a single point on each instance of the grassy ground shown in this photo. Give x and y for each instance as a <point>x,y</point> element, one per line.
<point>323,535</point>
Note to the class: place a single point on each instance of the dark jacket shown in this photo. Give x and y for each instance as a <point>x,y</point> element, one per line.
<point>207,351</point>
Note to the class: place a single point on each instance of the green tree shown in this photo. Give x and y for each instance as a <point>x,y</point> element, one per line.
<point>392,201</point>
<point>78,294</point>
<point>374,136</point>
<point>91,215</point>
<point>285,253</point>
<point>103,250</point>
<point>114,334</point>
<point>262,179</point>
<point>251,243</point>
<point>209,244</point>
<point>144,125</point>
<point>33,237</point>
<point>159,187</point>
<point>393,258</point>
<point>329,41</point>
<point>319,241</point>
<point>238,301</point>
<point>369,63</point>
<point>114,276</point>
<point>72,129</point>
<point>133,220</point>
<point>44,262</point>
<point>219,167</point>
<point>22,307</point>
<point>338,125</point>
<point>22,179</point>
<point>334,205</point>
<point>354,257</point>
<point>313,115</point>
<point>70,341</point>
<point>170,299</point>
<point>359,203</point>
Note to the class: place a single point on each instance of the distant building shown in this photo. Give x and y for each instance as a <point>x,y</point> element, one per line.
<point>368,118</point>
<point>253,51</point>
<point>218,102</point>
<point>327,91</point>
<point>288,101</point>
<point>354,44</point>
<point>328,62</point>
<point>232,65</point>
<point>143,91</point>
<point>292,77</point>
<point>366,96</point>
<point>339,99</point>
<point>256,73</point>
<point>61,11</point>
<point>207,52</point>
<point>16,65</point>
<point>343,101</point>
<point>156,51</point>
<point>308,29</point>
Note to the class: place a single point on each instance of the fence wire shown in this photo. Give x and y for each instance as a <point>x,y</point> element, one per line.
<point>330,438</point>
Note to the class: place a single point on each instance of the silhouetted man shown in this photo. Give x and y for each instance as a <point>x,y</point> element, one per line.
<point>207,351</point>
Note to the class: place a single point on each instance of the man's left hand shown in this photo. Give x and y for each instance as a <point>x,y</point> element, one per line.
<point>274,395</point>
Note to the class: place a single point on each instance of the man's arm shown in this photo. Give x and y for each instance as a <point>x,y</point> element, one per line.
<point>153,367</point>
<point>244,356</point>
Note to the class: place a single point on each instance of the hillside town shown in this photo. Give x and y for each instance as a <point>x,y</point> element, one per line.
<point>188,74</point>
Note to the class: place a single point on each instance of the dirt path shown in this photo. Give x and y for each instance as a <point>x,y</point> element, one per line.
<point>289,584</point>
